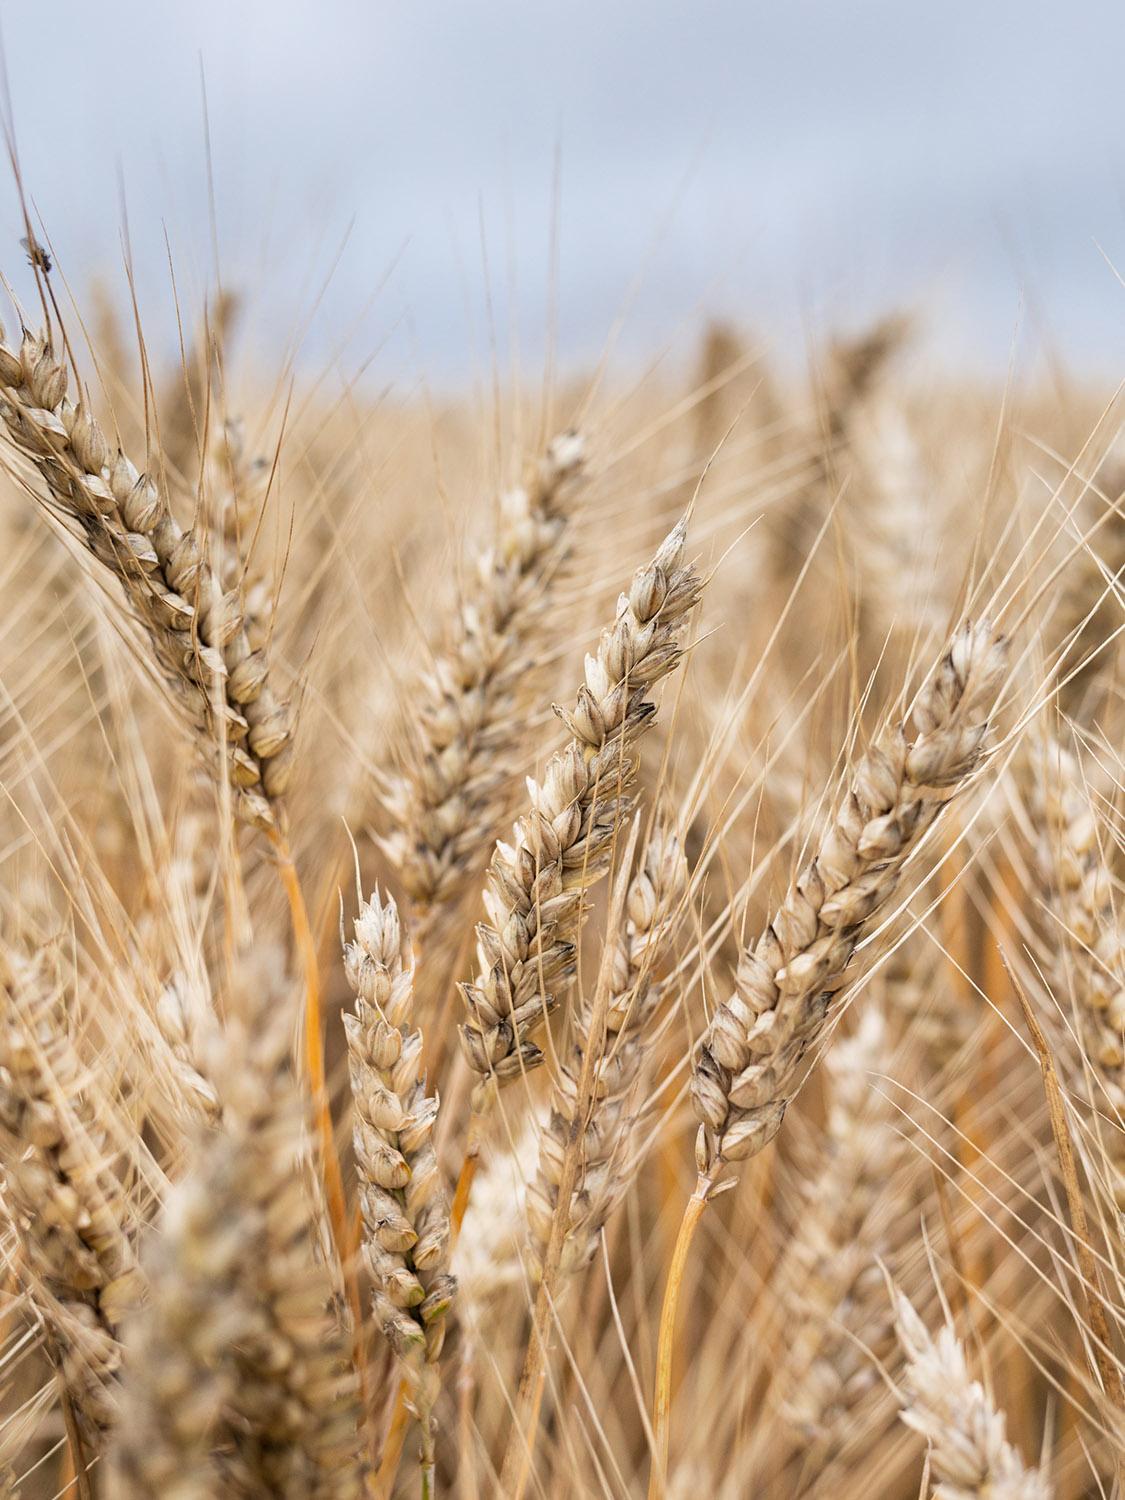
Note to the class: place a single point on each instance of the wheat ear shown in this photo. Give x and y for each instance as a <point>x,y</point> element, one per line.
<point>749,1064</point>
<point>600,1120</point>
<point>536,884</point>
<point>402,1194</point>
<point>1088,967</point>
<point>584,1168</point>
<point>239,1380</point>
<point>447,802</point>
<point>60,1189</point>
<point>196,629</point>
<point>969,1453</point>
<point>837,1301</point>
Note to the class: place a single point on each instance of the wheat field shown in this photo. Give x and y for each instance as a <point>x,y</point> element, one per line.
<point>567,941</point>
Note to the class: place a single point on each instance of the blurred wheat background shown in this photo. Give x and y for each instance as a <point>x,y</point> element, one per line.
<point>561,750</point>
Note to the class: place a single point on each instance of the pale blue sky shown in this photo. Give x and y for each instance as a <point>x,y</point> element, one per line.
<point>796,164</point>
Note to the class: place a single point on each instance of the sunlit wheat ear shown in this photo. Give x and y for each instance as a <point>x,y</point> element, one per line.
<point>402,1194</point>
<point>239,1378</point>
<point>1092,591</point>
<point>178,1023</point>
<point>534,895</point>
<point>891,506</point>
<point>72,1219</point>
<point>488,1256</point>
<point>465,713</point>
<point>968,1452</point>
<point>748,1066</point>
<point>836,1302</point>
<point>928,1010</point>
<point>238,482</point>
<point>197,631</point>
<point>607,1120</point>
<point>193,387</point>
<point>1084,954</point>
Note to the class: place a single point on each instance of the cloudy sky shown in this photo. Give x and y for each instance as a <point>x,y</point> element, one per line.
<point>386,176</point>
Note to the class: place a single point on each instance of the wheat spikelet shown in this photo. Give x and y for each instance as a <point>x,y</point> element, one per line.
<point>605,1171</point>
<point>402,1195</point>
<point>536,884</point>
<point>60,1189</point>
<point>197,631</point>
<point>969,1452</point>
<point>178,1023</point>
<point>448,800</point>
<point>748,1065</point>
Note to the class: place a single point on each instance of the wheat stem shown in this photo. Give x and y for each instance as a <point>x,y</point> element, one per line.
<point>666,1340</point>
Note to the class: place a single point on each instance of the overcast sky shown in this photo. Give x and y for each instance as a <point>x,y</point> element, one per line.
<point>796,164</point>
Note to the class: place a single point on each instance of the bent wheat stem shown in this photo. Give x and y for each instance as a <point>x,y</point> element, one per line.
<point>666,1341</point>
